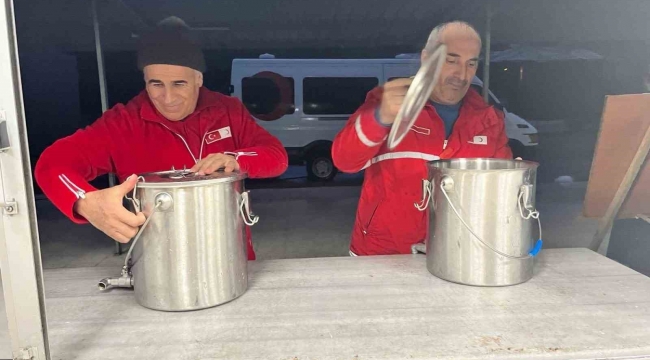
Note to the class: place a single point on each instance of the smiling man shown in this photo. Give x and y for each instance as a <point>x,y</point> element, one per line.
<point>174,122</point>
<point>455,123</point>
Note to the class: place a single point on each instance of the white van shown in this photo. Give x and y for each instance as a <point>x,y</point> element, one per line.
<point>306,102</point>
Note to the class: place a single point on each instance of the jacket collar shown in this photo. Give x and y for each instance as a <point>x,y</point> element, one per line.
<point>472,101</point>
<point>473,109</point>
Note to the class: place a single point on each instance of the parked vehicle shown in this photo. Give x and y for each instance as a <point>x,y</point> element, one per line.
<point>306,102</point>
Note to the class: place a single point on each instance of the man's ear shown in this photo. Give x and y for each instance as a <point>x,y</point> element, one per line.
<point>199,78</point>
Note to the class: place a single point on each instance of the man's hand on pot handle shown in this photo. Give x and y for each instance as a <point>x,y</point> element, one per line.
<point>105,211</point>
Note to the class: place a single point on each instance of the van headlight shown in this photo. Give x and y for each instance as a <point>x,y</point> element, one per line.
<point>534,138</point>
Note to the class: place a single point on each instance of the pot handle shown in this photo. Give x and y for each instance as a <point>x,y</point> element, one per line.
<point>427,194</point>
<point>134,200</point>
<point>447,183</point>
<point>526,199</point>
<point>163,202</point>
<point>244,208</point>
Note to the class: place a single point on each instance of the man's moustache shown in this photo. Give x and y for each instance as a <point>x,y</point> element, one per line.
<point>456,82</point>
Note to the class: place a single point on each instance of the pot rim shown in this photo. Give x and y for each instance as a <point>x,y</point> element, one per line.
<point>529,164</point>
<point>163,179</point>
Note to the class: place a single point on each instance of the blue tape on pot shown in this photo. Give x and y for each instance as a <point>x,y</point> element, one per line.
<point>537,248</point>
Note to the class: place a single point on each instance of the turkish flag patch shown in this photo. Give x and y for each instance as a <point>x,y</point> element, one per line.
<point>219,134</point>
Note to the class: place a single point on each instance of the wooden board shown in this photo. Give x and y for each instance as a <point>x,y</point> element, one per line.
<point>625,120</point>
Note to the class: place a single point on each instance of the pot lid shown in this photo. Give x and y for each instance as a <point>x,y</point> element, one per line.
<point>417,95</point>
<point>186,178</point>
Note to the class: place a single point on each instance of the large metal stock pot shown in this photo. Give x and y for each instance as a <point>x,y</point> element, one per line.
<point>191,252</point>
<point>481,220</point>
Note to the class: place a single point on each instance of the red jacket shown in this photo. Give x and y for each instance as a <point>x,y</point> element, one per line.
<point>387,222</point>
<point>135,138</point>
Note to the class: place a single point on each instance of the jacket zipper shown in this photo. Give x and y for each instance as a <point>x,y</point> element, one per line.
<point>186,145</point>
<point>372,216</point>
<point>76,190</point>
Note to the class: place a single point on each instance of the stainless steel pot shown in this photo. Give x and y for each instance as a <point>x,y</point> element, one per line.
<point>191,252</point>
<point>481,220</point>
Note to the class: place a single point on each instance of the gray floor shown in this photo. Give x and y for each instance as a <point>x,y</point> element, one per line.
<point>289,220</point>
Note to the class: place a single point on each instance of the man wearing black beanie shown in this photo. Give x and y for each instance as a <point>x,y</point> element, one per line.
<point>174,122</point>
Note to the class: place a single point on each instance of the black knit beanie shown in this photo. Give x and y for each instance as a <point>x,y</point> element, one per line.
<point>170,43</point>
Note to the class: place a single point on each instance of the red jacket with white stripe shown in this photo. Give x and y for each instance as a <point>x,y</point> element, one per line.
<point>387,222</point>
<point>135,138</point>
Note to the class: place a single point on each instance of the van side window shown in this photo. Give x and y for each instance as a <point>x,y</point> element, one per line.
<point>335,95</point>
<point>268,96</point>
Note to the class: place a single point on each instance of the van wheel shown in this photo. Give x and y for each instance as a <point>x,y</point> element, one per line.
<point>320,167</point>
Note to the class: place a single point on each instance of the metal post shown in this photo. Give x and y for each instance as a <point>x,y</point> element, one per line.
<point>102,89</point>
<point>488,46</point>
<point>20,255</point>
<point>100,58</point>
